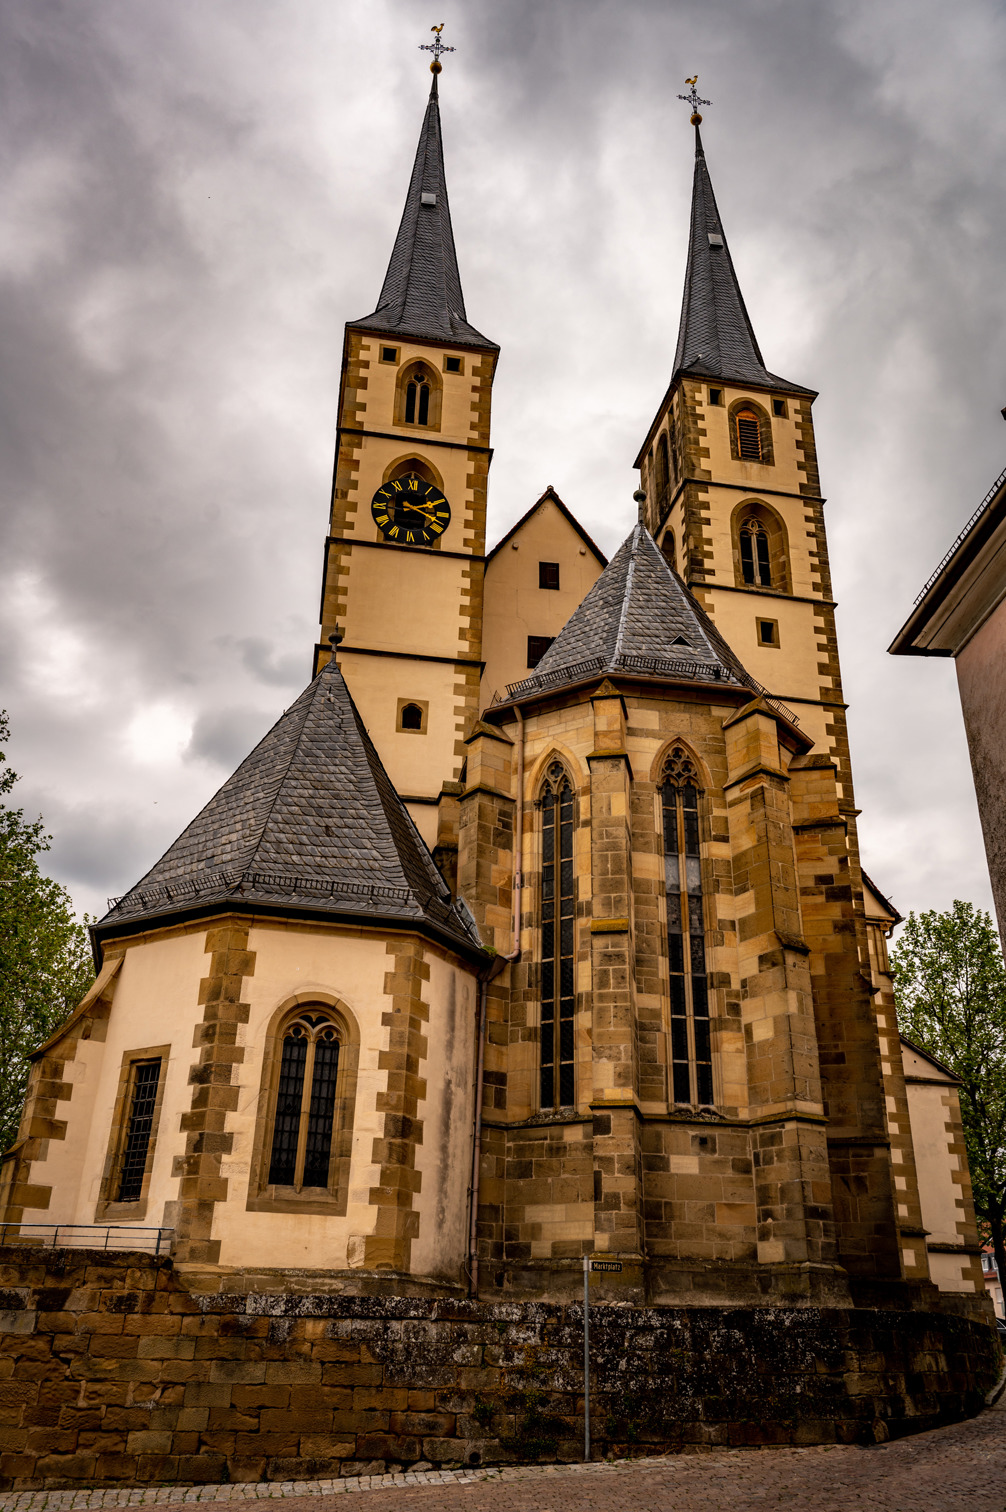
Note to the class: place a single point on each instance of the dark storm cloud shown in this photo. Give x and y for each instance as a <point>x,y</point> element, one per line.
<point>197,197</point>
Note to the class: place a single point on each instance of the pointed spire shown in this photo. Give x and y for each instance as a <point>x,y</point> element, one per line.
<point>422,293</point>
<point>716,338</point>
<point>309,824</point>
<point>637,618</point>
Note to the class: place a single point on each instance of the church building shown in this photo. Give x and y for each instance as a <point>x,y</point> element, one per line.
<point>536,928</point>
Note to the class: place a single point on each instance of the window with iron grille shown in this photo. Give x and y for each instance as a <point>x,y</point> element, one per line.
<point>558,909</point>
<point>691,1051</point>
<point>146,1076</point>
<point>748,435</point>
<point>305,1104</point>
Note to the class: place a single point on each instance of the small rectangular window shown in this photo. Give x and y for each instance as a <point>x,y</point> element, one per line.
<point>715,396</point>
<point>389,354</point>
<point>548,574</point>
<point>779,408</point>
<point>537,645</point>
<point>143,1101</point>
<point>453,365</point>
<point>768,632</point>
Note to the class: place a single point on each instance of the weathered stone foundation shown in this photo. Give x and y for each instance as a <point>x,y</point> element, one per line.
<point>117,1369</point>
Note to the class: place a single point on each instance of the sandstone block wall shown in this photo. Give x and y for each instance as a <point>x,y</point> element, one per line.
<point>113,1371</point>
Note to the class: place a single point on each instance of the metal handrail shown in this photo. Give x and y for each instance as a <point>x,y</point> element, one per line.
<point>105,1236</point>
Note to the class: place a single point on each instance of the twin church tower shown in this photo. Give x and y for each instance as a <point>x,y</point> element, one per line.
<point>536,926</point>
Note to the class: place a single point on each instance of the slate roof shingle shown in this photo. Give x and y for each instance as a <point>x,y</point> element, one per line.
<point>422,294</point>
<point>715,337</point>
<point>310,821</point>
<point>638,617</point>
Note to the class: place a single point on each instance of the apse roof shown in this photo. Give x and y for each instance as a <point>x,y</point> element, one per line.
<point>637,618</point>
<point>422,295</point>
<point>309,822</point>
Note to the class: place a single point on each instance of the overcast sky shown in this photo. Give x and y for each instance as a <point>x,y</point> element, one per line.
<point>195,197</point>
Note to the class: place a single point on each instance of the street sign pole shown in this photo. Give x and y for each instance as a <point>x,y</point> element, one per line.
<point>586,1358</point>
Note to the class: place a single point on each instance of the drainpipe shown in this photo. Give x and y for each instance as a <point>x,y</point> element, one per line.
<point>493,971</point>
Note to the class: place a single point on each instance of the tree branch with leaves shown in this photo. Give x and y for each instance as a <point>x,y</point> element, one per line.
<point>45,957</point>
<point>950,988</point>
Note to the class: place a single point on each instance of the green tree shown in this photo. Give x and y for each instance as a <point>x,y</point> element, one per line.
<point>950,987</point>
<point>45,959</point>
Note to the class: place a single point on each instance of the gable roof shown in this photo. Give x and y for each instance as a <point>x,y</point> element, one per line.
<point>551,496</point>
<point>882,899</point>
<point>931,1059</point>
<point>421,295</point>
<point>639,618</point>
<point>715,336</point>
<point>309,823</point>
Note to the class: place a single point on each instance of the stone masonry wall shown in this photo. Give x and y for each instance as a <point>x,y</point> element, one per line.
<point>113,1372</point>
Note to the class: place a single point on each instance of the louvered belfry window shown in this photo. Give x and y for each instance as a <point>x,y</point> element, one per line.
<point>691,1052</point>
<point>558,996</point>
<point>142,1106</point>
<point>305,1103</point>
<point>748,435</point>
<point>417,399</point>
<point>756,561</point>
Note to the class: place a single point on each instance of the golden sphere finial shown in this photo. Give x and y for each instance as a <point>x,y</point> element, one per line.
<point>695,120</point>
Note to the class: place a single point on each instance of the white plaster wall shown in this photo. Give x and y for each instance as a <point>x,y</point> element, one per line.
<point>444,1159</point>
<point>156,1002</point>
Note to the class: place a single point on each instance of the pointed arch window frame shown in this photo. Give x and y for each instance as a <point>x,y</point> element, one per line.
<point>411,405</point>
<point>266,1194</point>
<point>681,793</point>
<point>738,409</point>
<point>752,517</point>
<point>556,804</point>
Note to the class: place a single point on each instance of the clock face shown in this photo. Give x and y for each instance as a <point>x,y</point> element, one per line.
<point>410,511</point>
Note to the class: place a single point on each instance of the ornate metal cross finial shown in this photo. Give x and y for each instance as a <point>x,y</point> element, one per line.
<point>436,48</point>
<point>693,99</point>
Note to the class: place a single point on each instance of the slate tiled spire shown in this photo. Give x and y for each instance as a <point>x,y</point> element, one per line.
<point>308,823</point>
<point>715,337</point>
<point>422,287</point>
<point>638,617</point>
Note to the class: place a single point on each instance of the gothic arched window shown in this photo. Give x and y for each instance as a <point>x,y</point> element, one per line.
<point>756,560</point>
<point>662,476</point>
<point>691,1052</point>
<point>305,1102</point>
<point>558,995</point>
<point>667,547</point>
<point>417,398</point>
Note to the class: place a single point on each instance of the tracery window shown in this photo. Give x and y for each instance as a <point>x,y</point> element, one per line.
<point>691,1052</point>
<point>756,558</point>
<point>417,398</point>
<point>305,1103</point>
<point>558,997</point>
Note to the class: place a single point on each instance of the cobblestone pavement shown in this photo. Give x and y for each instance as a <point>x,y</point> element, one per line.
<point>957,1469</point>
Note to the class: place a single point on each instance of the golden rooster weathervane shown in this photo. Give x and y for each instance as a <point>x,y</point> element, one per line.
<point>693,99</point>
<point>436,48</point>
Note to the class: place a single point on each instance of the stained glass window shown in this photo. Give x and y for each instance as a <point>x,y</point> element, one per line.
<point>305,1103</point>
<point>691,1052</point>
<point>558,995</point>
